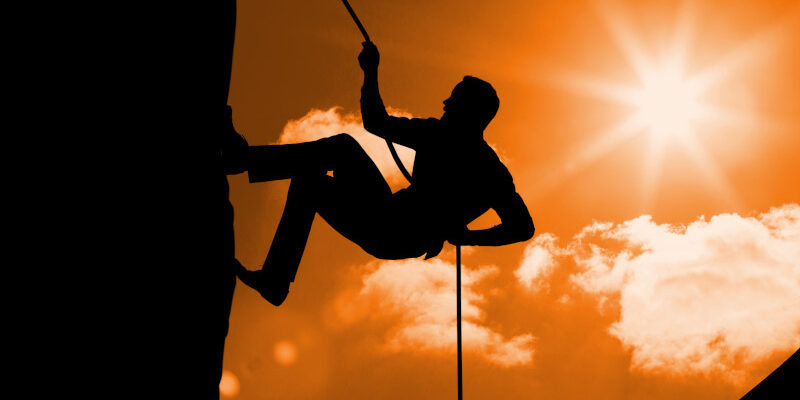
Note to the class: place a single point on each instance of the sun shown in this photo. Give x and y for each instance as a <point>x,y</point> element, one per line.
<point>667,104</point>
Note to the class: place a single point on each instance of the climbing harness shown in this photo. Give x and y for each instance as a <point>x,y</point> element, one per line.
<point>458,247</point>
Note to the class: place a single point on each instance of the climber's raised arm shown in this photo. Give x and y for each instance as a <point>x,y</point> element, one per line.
<point>403,131</point>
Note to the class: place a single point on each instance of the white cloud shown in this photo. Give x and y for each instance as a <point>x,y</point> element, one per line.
<point>420,297</point>
<point>715,296</point>
<point>317,124</point>
<point>538,262</point>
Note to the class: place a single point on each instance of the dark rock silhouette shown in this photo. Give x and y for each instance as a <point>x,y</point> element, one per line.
<point>783,383</point>
<point>178,255</point>
<point>205,247</point>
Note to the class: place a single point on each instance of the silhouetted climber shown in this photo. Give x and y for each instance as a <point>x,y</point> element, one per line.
<point>456,178</point>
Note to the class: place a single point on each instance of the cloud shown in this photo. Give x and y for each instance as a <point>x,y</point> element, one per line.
<point>419,297</point>
<point>317,124</point>
<point>715,296</point>
<point>538,262</point>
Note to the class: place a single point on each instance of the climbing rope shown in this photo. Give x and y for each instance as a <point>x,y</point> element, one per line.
<point>458,247</point>
<point>364,33</point>
<point>458,318</point>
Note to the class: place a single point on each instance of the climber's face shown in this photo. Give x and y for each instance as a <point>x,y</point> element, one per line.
<point>472,105</point>
<point>454,106</point>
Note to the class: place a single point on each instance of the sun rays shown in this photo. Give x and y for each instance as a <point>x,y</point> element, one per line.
<point>668,103</point>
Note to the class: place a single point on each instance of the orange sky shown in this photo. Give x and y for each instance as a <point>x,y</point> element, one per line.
<point>628,310</point>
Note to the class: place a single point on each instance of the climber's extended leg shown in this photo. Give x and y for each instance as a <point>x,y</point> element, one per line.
<point>352,200</point>
<point>273,279</point>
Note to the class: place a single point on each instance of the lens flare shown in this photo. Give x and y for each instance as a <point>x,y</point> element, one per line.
<point>228,384</point>
<point>285,353</point>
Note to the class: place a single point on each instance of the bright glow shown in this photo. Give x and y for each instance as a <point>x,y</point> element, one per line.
<point>285,353</point>
<point>666,104</point>
<point>669,104</point>
<point>228,384</point>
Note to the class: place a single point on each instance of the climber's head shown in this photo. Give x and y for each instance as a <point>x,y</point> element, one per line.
<point>473,102</point>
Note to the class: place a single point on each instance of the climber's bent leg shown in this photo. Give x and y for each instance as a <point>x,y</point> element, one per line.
<point>352,199</point>
<point>339,153</point>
